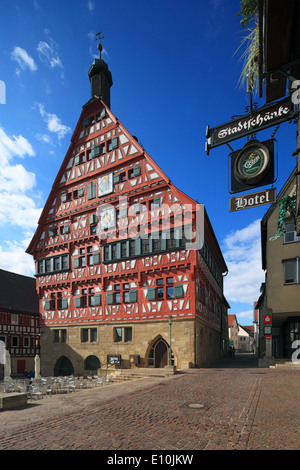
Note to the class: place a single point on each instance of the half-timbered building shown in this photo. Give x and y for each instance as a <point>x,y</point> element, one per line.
<point>119,252</point>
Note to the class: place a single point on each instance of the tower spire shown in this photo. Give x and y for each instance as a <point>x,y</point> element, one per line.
<point>100,76</point>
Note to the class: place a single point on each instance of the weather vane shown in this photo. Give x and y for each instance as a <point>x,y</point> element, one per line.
<point>98,38</point>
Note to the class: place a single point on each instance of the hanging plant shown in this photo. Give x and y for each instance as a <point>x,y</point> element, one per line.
<point>287,208</point>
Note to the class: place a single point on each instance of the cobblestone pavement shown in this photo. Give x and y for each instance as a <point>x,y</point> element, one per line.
<point>231,406</point>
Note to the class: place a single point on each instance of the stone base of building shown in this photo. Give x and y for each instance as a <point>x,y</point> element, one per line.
<point>147,346</point>
<point>266,361</point>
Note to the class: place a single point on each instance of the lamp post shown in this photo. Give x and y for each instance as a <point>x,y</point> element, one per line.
<point>170,348</point>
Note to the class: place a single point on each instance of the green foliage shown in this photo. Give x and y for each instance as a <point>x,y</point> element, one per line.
<point>286,204</point>
<point>248,10</point>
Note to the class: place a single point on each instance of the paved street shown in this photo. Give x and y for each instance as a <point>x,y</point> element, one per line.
<point>231,406</point>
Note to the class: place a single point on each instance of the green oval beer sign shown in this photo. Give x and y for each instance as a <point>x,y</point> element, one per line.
<point>252,162</point>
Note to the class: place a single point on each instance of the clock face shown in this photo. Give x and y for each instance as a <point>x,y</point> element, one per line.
<point>105,184</point>
<point>107,218</point>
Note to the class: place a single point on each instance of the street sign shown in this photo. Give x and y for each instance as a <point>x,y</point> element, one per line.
<point>267,318</point>
<point>257,120</point>
<point>247,201</point>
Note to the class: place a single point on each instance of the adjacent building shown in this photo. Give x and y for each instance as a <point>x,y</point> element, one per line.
<point>19,320</point>
<point>128,267</point>
<point>233,331</point>
<point>279,305</point>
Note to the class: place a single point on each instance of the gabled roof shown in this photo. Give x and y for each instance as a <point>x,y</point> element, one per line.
<point>18,293</point>
<point>231,319</point>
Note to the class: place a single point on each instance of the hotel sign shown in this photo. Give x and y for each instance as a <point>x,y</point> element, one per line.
<point>258,120</point>
<point>252,200</point>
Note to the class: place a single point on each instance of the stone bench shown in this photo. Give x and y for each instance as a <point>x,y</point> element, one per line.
<point>10,401</point>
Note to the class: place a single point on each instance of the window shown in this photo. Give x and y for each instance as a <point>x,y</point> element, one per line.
<point>60,336</point>
<point>54,264</point>
<point>291,271</point>
<point>89,335</point>
<point>121,294</point>
<point>122,335</point>
<point>290,235</point>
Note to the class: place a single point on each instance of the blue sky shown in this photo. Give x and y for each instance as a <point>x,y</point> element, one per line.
<point>174,70</point>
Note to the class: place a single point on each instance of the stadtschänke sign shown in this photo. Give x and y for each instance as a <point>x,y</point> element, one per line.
<point>258,120</point>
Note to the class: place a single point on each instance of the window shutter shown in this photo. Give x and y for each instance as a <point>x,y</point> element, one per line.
<point>93,219</point>
<point>47,305</point>
<point>51,232</point>
<point>157,201</point>
<point>63,197</point>
<point>80,192</point>
<point>76,262</point>
<point>66,229</point>
<point>151,294</point>
<point>91,190</point>
<point>137,171</point>
<point>95,151</point>
<point>77,160</point>
<point>77,302</point>
<point>116,179</point>
<point>109,299</point>
<point>86,122</point>
<point>178,291</point>
<point>114,142</point>
<point>64,303</point>
<point>98,299</point>
<point>133,296</point>
<point>96,258</point>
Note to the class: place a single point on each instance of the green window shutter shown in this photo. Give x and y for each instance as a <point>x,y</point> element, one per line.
<point>137,171</point>
<point>86,122</point>
<point>98,299</point>
<point>96,151</point>
<point>96,258</point>
<point>77,160</point>
<point>51,232</point>
<point>66,229</point>
<point>114,142</point>
<point>91,190</point>
<point>157,201</point>
<point>64,303</point>
<point>77,302</point>
<point>109,299</point>
<point>93,219</point>
<point>133,296</point>
<point>80,192</point>
<point>47,305</point>
<point>151,294</point>
<point>75,262</point>
<point>116,179</point>
<point>178,291</point>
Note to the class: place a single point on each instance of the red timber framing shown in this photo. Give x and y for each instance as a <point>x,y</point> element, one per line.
<point>113,243</point>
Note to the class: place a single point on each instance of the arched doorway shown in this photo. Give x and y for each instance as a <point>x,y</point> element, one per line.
<point>63,366</point>
<point>92,363</point>
<point>159,353</point>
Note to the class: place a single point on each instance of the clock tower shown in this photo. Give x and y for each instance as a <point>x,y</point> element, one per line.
<point>116,260</point>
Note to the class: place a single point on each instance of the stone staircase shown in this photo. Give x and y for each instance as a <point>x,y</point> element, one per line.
<point>125,375</point>
<point>286,364</point>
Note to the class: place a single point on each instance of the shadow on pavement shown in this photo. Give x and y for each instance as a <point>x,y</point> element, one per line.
<point>239,361</point>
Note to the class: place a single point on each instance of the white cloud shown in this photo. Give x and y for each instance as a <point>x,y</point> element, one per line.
<point>48,55</point>
<point>91,6</point>
<point>14,258</point>
<point>54,123</point>
<point>242,253</point>
<point>23,59</point>
<point>19,213</point>
<point>13,146</point>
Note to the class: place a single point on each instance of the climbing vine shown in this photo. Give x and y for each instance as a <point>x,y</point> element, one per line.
<point>287,207</point>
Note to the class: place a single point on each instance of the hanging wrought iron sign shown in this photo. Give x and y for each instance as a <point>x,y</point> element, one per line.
<point>256,120</point>
<point>252,166</point>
